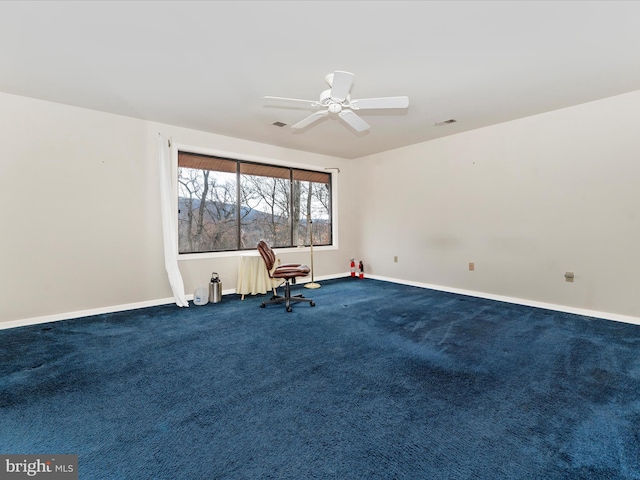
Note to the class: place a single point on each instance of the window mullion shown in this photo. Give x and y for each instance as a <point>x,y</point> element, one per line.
<point>291,209</point>
<point>238,207</point>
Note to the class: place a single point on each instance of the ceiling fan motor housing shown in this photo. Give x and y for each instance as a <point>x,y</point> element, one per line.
<point>335,106</point>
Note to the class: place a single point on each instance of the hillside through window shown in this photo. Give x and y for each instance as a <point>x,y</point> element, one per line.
<point>226,205</point>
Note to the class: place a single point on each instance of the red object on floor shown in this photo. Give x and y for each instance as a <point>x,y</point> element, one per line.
<point>361,268</point>
<point>353,267</point>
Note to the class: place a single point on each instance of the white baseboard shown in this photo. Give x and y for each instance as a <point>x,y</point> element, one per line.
<point>98,311</point>
<point>519,301</point>
<point>84,313</point>
<point>471,293</point>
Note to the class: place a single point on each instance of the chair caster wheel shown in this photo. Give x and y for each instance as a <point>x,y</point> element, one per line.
<point>313,304</point>
<point>289,309</point>
<point>262,305</point>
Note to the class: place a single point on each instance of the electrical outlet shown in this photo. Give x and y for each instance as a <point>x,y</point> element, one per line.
<point>395,259</point>
<point>472,266</point>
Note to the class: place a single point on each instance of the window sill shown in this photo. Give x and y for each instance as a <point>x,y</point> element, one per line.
<point>240,253</point>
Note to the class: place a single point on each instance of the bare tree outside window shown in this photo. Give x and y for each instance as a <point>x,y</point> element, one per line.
<point>314,202</point>
<point>207,217</point>
<point>229,204</point>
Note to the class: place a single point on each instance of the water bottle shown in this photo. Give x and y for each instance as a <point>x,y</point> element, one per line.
<point>215,288</point>
<point>200,296</point>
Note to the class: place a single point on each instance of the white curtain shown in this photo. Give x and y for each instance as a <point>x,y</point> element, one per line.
<point>169,208</point>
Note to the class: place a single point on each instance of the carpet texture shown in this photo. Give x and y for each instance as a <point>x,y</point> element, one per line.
<point>377,381</point>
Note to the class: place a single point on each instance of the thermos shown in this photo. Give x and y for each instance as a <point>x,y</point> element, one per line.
<point>215,288</point>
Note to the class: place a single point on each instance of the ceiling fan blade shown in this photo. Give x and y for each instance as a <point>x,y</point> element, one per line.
<point>290,102</point>
<point>354,120</point>
<point>384,102</point>
<point>314,117</point>
<point>341,85</point>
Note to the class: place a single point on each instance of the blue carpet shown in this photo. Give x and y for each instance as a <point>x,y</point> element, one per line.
<point>377,381</point>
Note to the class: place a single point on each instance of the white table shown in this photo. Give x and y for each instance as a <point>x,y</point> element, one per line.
<point>253,277</point>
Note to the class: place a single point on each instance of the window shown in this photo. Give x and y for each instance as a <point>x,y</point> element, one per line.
<point>226,204</point>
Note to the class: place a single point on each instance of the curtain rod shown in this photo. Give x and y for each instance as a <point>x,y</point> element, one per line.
<point>168,139</point>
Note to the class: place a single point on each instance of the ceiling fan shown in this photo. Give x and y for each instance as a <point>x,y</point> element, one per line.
<point>337,100</point>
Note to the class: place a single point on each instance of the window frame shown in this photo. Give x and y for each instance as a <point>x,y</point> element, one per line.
<point>186,148</point>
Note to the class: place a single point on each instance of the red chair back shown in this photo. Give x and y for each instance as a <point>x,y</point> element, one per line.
<point>267,255</point>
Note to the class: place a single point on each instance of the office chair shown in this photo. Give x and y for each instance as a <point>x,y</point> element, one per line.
<point>287,272</point>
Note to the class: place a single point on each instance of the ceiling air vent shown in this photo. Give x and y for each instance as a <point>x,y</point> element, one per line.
<point>279,124</point>
<point>445,122</point>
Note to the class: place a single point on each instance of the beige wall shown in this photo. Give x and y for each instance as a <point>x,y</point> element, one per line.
<point>81,229</point>
<point>526,200</point>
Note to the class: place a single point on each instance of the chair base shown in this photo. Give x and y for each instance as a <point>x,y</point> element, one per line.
<point>287,299</point>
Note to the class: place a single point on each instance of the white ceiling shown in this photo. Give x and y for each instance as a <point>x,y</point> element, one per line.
<point>207,65</point>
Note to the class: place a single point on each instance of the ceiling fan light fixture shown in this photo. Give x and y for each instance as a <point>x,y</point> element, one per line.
<point>337,100</point>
